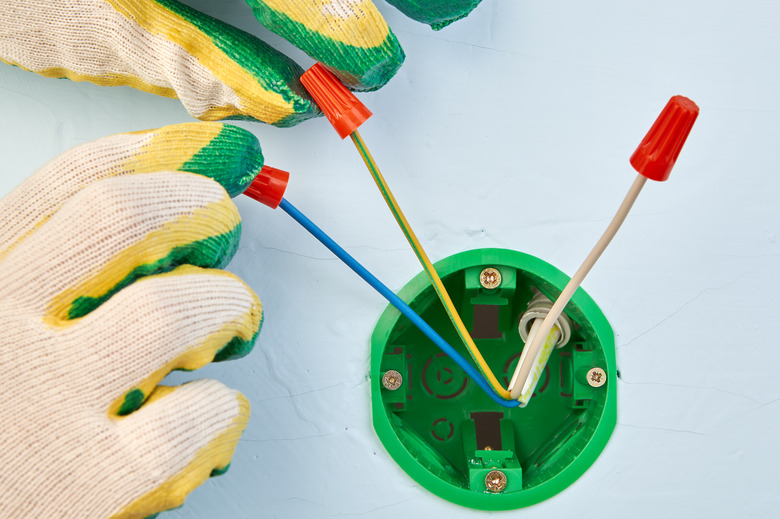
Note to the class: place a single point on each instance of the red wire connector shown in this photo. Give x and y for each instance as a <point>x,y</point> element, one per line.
<point>658,151</point>
<point>653,159</point>
<point>268,186</point>
<point>344,111</point>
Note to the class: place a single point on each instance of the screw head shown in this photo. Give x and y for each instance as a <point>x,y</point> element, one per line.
<point>597,377</point>
<point>495,481</point>
<point>392,380</point>
<point>490,278</point>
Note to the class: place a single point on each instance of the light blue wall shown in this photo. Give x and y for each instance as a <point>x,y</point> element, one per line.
<point>510,129</point>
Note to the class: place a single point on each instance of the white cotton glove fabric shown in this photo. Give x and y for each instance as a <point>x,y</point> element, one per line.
<point>63,455</point>
<point>215,70</point>
<point>91,39</point>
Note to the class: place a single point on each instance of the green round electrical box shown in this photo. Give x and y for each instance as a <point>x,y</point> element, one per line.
<point>446,433</point>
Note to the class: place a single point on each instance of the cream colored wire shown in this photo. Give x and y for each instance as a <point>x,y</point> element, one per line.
<point>523,369</point>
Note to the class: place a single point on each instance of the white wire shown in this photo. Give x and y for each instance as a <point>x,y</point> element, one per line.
<point>523,369</point>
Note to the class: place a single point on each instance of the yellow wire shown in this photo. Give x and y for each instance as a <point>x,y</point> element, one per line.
<point>438,286</point>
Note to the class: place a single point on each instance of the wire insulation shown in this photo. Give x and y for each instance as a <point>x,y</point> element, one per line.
<point>523,369</point>
<point>397,302</point>
<point>438,286</point>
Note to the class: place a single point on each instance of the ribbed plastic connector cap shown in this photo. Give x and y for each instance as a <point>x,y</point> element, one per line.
<point>344,111</point>
<point>268,186</point>
<point>658,151</point>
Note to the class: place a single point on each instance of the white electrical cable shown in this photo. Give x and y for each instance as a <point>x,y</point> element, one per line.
<point>539,362</point>
<point>525,365</point>
<point>537,309</point>
<point>529,324</point>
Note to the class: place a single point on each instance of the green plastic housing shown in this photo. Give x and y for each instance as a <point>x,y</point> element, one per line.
<point>442,429</point>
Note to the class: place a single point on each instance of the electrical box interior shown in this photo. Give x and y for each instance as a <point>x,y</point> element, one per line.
<point>446,433</point>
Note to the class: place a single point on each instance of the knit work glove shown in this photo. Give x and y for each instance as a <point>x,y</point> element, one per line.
<point>216,70</point>
<point>109,256</point>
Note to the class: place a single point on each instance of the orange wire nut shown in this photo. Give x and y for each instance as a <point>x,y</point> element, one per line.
<point>658,151</point>
<point>344,111</point>
<point>268,186</point>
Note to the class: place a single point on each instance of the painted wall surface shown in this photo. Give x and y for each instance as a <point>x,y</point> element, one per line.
<point>513,129</point>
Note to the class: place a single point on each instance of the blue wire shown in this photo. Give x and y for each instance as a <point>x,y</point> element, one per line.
<point>396,301</point>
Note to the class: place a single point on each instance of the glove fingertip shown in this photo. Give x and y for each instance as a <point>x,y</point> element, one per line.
<point>436,14</point>
<point>233,158</point>
<point>375,67</point>
<point>201,414</point>
<point>350,37</point>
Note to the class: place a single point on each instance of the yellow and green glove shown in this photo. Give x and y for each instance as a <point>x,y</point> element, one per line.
<point>110,257</point>
<point>216,70</point>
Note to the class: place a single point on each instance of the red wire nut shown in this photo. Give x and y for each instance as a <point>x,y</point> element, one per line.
<point>658,151</point>
<point>344,111</point>
<point>268,186</point>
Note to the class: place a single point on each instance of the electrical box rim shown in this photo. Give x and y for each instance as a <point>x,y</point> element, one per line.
<point>606,422</point>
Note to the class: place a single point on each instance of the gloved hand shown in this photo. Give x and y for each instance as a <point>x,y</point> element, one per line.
<point>109,257</point>
<point>218,71</point>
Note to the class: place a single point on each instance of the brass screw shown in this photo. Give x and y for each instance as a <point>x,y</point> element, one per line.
<point>597,377</point>
<point>490,278</point>
<point>495,481</point>
<point>392,380</point>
